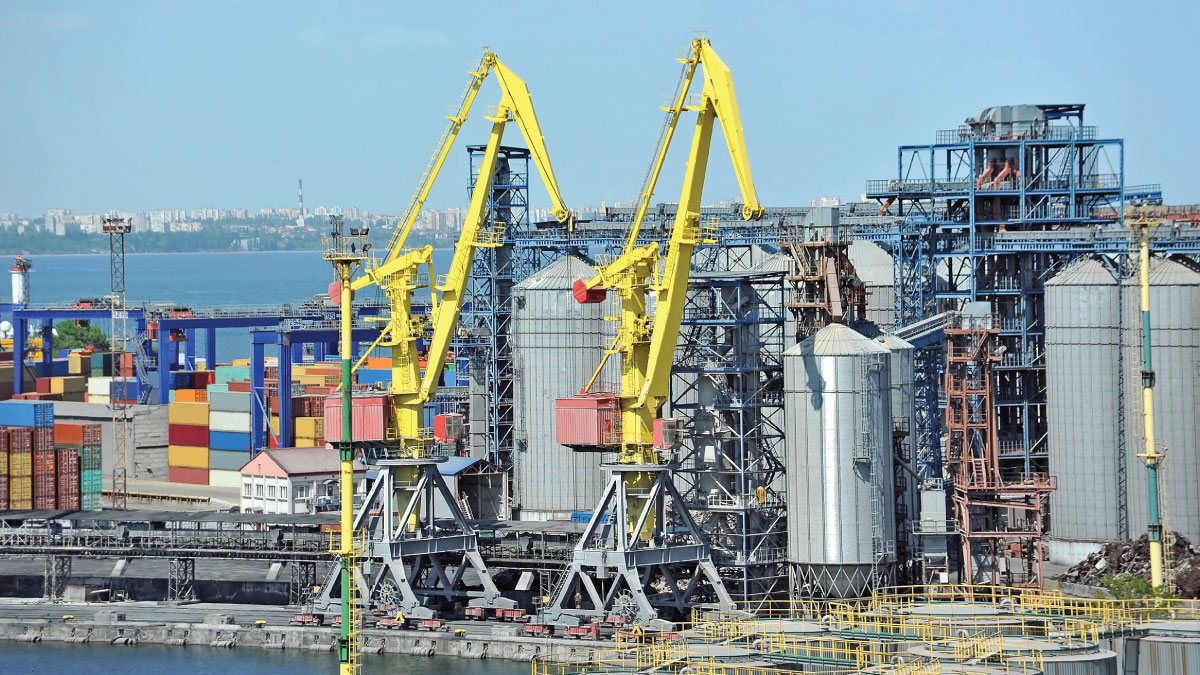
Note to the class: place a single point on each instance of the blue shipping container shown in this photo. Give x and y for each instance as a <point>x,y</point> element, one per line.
<point>374,375</point>
<point>26,414</point>
<point>228,440</point>
<point>126,389</point>
<point>58,367</point>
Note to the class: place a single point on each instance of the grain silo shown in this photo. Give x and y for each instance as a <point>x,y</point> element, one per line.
<point>557,344</point>
<point>837,406</point>
<point>1175,338</point>
<point>1082,371</point>
<point>873,265</point>
<point>901,363</point>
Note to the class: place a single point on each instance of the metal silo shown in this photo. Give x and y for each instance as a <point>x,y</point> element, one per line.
<point>837,403</point>
<point>904,413</point>
<point>874,268</point>
<point>1082,371</point>
<point>557,344</point>
<point>1175,336</point>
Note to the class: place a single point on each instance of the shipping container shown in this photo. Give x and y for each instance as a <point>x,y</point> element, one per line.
<point>226,374</point>
<point>78,433</point>
<point>229,402</point>
<point>102,364</point>
<point>447,427</point>
<point>43,462</point>
<point>188,413</point>
<point>187,434</point>
<point>228,460</point>
<point>75,363</point>
<point>44,491</point>
<point>89,502</point>
<point>191,395</point>
<point>194,457</point>
<point>228,440</point>
<point>239,386</point>
<point>225,478</point>
<point>66,459</point>
<point>20,490</point>
<point>373,376</point>
<point>66,385</point>
<point>124,389</point>
<point>90,457</point>
<point>26,414</point>
<point>368,417</point>
<point>238,422</point>
<point>43,439</point>
<point>310,427</point>
<point>3,492</point>
<point>588,420</point>
<point>180,474</point>
<point>91,481</point>
<point>20,439</point>
<point>42,385</point>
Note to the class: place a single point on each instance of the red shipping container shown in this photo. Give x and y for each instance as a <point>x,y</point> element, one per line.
<point>188,434</point>
<point>3,440</point>
<point>45,487</point>
<point>319,390</point>
<point>43,385</point>
<point>20,439</point>
<point>43,438</point>
<point>34,396</point>
<point>43,463</point>
<point>67,459</point>
<point>180,474</point>
<point>447,427</point>
<point>203,378</point>
<point>368,418</point>
<point>67,503</point>
<point>3,492</point>
<point>242,386</point>
<point>75,433</point>
<point>588,420</point>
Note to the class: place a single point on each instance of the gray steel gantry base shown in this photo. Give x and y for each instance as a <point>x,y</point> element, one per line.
<point>422,566</point>
<point>674,557</point>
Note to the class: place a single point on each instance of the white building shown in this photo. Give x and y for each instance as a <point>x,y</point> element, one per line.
<point>295,480</point>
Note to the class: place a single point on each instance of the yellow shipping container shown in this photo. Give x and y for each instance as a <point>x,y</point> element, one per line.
<point>20,464</point>
<point>318,380</point>
<point>21,504</point>
<point>190,456</point>
<point>240,362</point>
<point>275,424</point>
<point>96,398</point>
<point>4,463</point>
<point>188,413</point>
<point>306,442</point>
<point>76,396</point>
<point>68,385</point>
<point>20,489</point>
<point>310,427</point>
<point>75,363</point>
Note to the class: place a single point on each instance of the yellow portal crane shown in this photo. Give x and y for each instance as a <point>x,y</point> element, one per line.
<point>647,344</point>
<point>641,493</point>
<point>398,274</point>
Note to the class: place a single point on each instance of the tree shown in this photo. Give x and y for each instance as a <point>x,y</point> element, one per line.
<point>72,336</point>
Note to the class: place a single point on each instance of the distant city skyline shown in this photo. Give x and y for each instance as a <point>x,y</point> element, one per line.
<point>161,104</point>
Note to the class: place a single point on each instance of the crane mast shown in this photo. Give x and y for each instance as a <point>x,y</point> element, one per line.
<point>641,492</point>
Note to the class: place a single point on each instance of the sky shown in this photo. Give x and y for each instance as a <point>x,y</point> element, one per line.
<point>148,105</point>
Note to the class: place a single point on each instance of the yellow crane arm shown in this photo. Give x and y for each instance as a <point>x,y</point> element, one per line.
<point>664,142</point>
<point>445,142</point>
<point>410,262</point>
<point>517,99</point>
<point>718,88</point>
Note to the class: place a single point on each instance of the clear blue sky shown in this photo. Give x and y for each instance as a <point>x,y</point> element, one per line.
<point>144,105</point>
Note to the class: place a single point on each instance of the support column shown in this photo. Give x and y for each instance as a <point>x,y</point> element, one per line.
<point>167,356</point>
<point>189,349</point>
<point>47,347</point>
<point>181,580</point>
<point>20,329</point>
<point>283,390</point>
<point>210,348</point>
<point>58,572</point>
<point>258,439</point>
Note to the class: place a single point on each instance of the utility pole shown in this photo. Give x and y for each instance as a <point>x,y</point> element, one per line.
<point>346,253</point>
<point>1145,218</point>
<point>116,228</point>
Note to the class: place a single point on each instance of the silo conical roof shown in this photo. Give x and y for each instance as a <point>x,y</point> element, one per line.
<point>1086,272</point>
<point>560,274</point>
<point>837,340</point>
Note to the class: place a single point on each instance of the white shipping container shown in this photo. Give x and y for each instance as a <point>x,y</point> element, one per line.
<point>99,386</point>
<point>220,478</point>
<point>220,420</point>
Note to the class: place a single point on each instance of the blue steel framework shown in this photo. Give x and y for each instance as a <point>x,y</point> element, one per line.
<point>727,383</point>
<point>994,232</point>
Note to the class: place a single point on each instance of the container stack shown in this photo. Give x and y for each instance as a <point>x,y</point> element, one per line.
<point>228,436</point>
<point>187,437</point>
<point>368,417</point>
<point>31,478</point>
<point>78,446</point>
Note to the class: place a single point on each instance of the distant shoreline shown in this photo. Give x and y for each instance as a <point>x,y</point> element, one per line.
<point>132,253</point>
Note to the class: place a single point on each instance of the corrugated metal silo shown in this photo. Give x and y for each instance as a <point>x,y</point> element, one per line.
<point>1175,338</point>
<point>904,413</point>
<point>1082,348</point>
<point>837,402</point>
<point>874,268</point>
<point>557,344</point>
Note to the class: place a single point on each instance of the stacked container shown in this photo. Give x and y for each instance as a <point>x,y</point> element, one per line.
<point>228,436</point>
<point>20,468</point>
<point>368,417</point>
<point>45,481</point>
<point>31,478</point>
<point>187,449</point>
<point>79,450</point>
<point>3,469</point>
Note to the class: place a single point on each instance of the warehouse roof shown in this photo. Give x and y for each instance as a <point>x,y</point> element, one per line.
<point>300,461</point>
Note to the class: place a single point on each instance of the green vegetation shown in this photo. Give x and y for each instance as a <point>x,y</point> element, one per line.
<point>71,336</point>
<point>1129,587</point>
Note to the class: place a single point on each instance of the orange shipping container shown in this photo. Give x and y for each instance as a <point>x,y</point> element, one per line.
<point>379,362</point>
<point>191,395</point>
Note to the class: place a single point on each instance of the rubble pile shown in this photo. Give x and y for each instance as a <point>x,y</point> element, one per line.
<point>1133,558</point>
